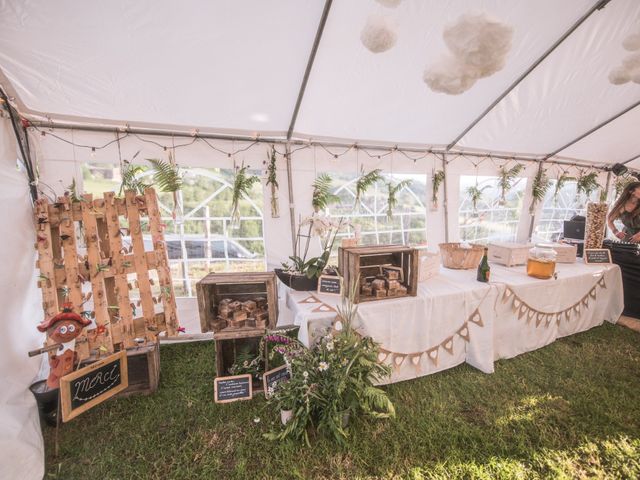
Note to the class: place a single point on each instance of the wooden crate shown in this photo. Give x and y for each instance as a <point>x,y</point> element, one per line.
<point>227,350</point>
<point>143,364</point>
<point>509,254</point>
<point>567,253</point>
<point>241,287</point>
<point>365,262</point>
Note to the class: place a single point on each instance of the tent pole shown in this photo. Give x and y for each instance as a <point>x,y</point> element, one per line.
<point>292,206</point>
<point>589,132</point>
<point>445,204</point>
<point>598,5</point>
<point>307,72</point>
<point>630,160</point>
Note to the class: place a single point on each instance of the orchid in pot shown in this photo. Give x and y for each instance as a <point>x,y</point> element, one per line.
<point>302,272</point>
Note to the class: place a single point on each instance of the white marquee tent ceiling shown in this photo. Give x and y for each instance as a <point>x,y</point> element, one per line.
<point>237,66</point>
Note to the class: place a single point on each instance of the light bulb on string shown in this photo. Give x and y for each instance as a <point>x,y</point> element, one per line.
<point>93,152</point>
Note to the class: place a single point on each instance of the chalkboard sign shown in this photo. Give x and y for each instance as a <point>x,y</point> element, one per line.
<point>273,377</point>
<point>230,389</point>
<point>330,284</point>
<point>89,386</point>
<point>597,255</point>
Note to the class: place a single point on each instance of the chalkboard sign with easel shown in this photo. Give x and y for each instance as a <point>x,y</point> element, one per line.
<point>89,386</point>
<point>273,377</point>
<point>231,389</point>
<point>330,284</point>
<point>597,256</point>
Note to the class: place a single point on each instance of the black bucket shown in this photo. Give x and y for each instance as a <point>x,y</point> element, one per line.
<point>47,402</point>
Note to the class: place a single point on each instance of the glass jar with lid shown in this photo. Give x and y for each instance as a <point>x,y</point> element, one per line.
<point>542,261</point>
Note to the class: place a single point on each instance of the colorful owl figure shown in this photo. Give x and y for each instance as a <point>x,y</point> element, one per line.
<point>63,328</point>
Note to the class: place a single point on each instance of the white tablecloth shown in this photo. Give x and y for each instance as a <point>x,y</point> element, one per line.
<point>425,334</point>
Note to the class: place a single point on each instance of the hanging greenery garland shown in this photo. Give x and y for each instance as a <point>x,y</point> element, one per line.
<point>560,183</point>
<point>364,182</point>
<point>322,196</point>
<point>272,180</point>
<point>392,195</point>
<point>436,181</point>
<point>506,179</point>
<point>539,188</point>
<point>242,184</point>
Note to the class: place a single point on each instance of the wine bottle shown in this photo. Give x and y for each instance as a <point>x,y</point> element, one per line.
<point>483,268</point>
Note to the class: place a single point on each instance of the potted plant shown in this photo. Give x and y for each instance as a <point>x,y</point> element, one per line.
<point>302,273</point>
<point>436,181</point>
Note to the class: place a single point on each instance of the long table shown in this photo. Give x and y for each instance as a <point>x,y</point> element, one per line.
<point>455,319</point>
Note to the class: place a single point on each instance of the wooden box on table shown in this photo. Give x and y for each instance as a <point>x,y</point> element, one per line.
<point>565,252</point>
<point>237,305</point>
<point>364,264</point>
<point>509,254</point>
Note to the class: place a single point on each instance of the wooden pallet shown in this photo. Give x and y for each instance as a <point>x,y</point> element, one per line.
<point>94,277</point>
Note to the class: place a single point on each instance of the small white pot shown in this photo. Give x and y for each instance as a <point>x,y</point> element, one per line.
<point>285,416</point>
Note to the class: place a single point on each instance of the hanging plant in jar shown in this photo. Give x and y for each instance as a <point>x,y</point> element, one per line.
<point>272,181</point>
<point>392,195</point>
<point>506,178</point>
<point>436,182</point>
<point>586,184</point>
<point>364,182</point>
<point>131,180</point>
<point>475,195</point>
<point>560,183</point>
<point>539,189</point>
<point>242,184</point>
<point>322,196</point>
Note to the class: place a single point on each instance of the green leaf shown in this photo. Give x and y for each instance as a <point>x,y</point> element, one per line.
<point>167,176</point>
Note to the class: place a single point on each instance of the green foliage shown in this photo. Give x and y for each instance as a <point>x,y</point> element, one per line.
<point>332,383</point>
<point>272,172</point>
<point>242,184</point>
<point>72,190</point>
<point>392,195</point>
<point>166,175</point>
<point>506,177</point>
<point>560,183</point>
<point>622,182</point>
<point>539,188</point>
<point>475,195</point>
<point>366,181</point>
<point>587,183</point>
<point>322,196</point>
<point>131,178</point>
<point>436,181</point>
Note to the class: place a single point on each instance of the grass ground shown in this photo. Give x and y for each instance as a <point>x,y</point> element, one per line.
<point>570,410</point>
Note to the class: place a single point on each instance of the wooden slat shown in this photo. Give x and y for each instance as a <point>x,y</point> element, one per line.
<point>55,215</point>
<point>119,271</point>
<point>140,264</point>
<point>164,275</point>
<point>72,281</point>
<point>44,246</point>
<point>96,262</point>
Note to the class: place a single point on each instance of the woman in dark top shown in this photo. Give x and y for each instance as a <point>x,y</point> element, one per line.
<point>627,210</point>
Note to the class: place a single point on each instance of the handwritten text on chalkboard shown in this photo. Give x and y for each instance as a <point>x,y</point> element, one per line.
<point>597,255</point>
<point>273,377</point>
<point>230,389</point>
<point>93,384</point>
<point>330,284</point>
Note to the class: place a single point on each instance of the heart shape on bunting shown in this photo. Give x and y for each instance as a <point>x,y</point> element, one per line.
<point>567,314</point>
<point>382,356</point>
<point>558,318</point>
<point>476,318</point>
<point>323,308</point>
<point>516,302</point>
<point>447,344</point>
<point>415,359</point>
<point>602,283</point>
<point>530,315</point>
<point>310,299</point>
<point>507,294</point>
<point>522,311</point>
<point>538,319</point>
<point>398,359</point>
<point>464,332</point>
<point>576,308</point>
<point>433,355</point>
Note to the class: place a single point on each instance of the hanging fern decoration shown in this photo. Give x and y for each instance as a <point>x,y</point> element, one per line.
<point>622,182</point>
<point>506,179</point>
<point>167,176</point>
<point>130,174</point>
<point>322,196</point>
<point>272,179</point>
<point>366,181</point>
<point>475,195</point>
<point>539,188</point>
<point>392,197</point>
<point>242,184</point>
<point>587,184</point>
<point>560,183</point>
<point>436,181</point>
<point>72,191</point>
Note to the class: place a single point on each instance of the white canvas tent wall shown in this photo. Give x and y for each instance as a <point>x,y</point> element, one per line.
<point>290,70</point>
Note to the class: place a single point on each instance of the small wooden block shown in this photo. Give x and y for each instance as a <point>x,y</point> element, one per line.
<point>249,306</point>
<point>381,293</point>
<point>239,315</point>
